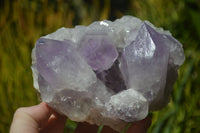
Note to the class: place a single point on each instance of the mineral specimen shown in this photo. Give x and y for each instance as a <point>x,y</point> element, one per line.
<point>108,73</point>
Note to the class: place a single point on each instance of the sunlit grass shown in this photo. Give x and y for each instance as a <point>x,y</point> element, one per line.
<point>23,22</point>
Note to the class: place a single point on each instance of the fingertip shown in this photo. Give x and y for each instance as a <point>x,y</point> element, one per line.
<point>56,123</point>
<point>59,116</point>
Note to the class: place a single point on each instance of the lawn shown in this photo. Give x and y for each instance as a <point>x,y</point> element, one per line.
<point>22,22</point>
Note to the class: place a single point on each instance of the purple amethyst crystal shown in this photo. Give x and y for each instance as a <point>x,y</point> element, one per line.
<point>109,73</point>
<point>99,51</point>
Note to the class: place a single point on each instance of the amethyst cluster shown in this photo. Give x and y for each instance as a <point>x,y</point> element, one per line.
<point>108,73</point>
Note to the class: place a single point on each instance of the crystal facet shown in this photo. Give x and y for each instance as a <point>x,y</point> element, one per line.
<point>109,73</point>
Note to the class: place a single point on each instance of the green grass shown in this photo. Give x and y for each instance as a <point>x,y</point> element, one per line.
<point>23,22</point>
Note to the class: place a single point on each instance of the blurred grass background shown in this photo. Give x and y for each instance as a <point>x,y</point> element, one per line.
<point>22,22</point>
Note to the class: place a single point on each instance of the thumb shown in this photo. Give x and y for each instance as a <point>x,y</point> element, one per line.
<point>30,119</point>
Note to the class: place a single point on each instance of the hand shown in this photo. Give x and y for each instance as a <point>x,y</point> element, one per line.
<point>37,119</point>
<point>42,119</point>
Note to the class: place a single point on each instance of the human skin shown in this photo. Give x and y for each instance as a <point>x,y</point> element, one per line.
<point>42,119</point>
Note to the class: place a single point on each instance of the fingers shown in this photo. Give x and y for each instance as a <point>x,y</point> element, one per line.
<point>140,126</point>
<point>84,127</point>
<point>30,119</point>
<point>56,124</point>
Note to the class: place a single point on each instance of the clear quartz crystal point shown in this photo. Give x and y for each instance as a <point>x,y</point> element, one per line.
<point>108,73</point>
